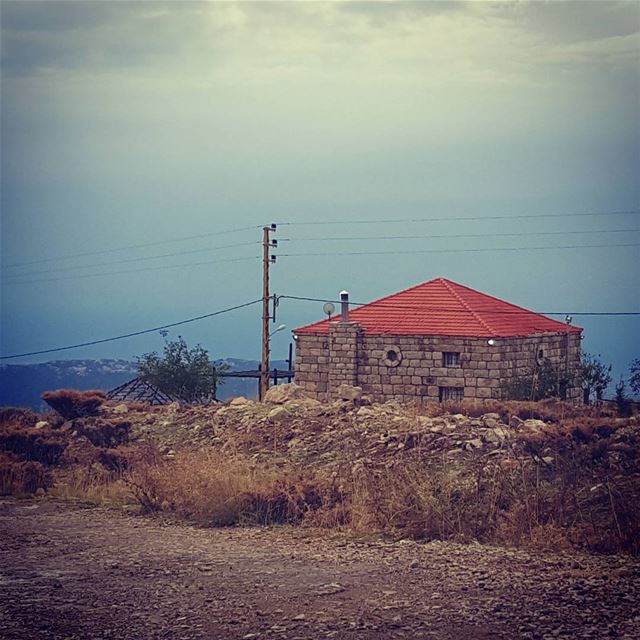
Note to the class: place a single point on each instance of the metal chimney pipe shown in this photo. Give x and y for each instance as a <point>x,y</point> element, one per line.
<point>344,300</point>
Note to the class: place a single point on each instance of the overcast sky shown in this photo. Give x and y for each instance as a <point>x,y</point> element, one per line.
<point>128,123</point>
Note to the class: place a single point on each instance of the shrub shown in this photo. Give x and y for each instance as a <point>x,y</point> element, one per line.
<point>40,445</point>
<point>186,374</point>
<point>72,404</point>
<point>545,381</point>
<point>18,477</point>
<point>103,433</point>
<point>206,488</point>
<point>17,417</point>
<point>623,404</point>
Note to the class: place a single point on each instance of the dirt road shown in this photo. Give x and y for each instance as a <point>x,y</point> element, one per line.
<point>69,572</point>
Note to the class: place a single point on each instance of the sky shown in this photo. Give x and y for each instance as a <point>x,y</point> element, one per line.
<point>392,143</point>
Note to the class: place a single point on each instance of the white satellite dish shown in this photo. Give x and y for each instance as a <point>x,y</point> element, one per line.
<point>329,308</point>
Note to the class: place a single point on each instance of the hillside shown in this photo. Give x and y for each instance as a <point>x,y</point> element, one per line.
<point>505,473</point>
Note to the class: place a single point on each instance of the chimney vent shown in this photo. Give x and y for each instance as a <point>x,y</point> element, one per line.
<point>344,300</point>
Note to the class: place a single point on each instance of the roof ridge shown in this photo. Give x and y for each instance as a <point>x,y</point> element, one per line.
<point>397,293</point>
<point>453,292</point>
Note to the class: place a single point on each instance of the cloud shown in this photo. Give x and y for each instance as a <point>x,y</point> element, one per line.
<point>477,41</point>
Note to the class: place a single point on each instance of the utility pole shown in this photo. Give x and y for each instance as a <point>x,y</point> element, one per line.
<point>267,259</point>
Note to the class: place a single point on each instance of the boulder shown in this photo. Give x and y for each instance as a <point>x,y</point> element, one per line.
<point>303,404</point>
<point>282,393</point>
<point>367,412</point>
<point>349,392</point>
<point>278,414</point>
<point>534,426</point>
<point>239,401</point>
<point>120,409</point>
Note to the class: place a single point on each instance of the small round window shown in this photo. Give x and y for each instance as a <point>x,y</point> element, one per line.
<point>540,356</point>
<point>392,355</point>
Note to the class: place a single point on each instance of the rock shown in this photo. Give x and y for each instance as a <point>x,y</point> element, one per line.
<point>282,393</point>
<point>534,426</point>
<point>515,422</point>
<point>496,436</point>
<point>476,443</point>
<point>121,408</point>
<point>349,392</point>
<point>41,424</point>
<point>366,412</point>
<point>303,404</point>
<point>329,589</point>
<point>277,414</point>
<point>40,492</point>
<point>240,401</point>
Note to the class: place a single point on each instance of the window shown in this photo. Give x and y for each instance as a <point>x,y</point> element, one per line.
<point>451,359</point>
<point>392,355</point>
<point>451,394</point>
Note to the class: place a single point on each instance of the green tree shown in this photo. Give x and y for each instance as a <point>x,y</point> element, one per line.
<point>545,381</point>
<point>186,373</point>
<point>634,376</point>
<point>622,401</point>
<point>594,377</point>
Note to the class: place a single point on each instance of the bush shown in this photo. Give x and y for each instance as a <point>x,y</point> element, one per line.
<point>186,374</point>
<point>545,381</point>
<point>17,417</point>
<point>103,433</point>
<point>18,477</point>
<point>40,445</point>
<point>72,404</point>
<point>208,489</point>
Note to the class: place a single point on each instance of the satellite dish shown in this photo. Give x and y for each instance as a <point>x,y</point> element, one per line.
<point>329,308</point>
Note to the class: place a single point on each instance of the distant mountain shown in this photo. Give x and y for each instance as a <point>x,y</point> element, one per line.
<point>21,385</point>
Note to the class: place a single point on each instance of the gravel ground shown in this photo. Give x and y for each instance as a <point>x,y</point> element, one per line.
<point>71,572</point>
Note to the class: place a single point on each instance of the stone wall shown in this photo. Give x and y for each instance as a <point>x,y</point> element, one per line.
<point>407,368</point>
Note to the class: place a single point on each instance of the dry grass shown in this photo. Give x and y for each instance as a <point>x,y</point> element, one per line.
<point>92,484</point>
<point>210,489</point>
<point>19,477</point>
<point>527,502</point>
<point>547,410</point>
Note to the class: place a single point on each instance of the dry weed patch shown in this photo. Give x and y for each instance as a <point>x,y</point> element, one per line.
<point>71,404</point>
<point>211,489</point>
<point>20,477</point>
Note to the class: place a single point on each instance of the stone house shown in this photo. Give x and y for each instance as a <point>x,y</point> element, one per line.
<point>436,341</point>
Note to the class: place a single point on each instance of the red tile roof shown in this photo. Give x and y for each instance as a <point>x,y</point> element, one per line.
<point>443,307</point>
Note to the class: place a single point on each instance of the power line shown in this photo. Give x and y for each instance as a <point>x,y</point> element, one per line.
<point>408,307</point>
<point>111,273</point>
<point>132,246</point>
<point>135,333</point>
<point>461,235</point>
<point>463,218</point>
<point>477,250</point>
<point>139,259</point>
